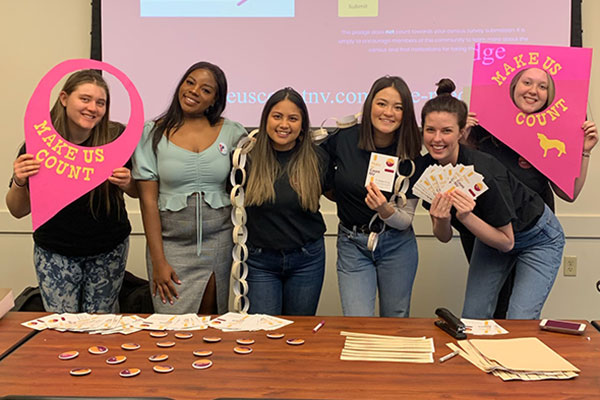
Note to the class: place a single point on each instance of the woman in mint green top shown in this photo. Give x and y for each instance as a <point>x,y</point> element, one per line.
<point>181,165</point>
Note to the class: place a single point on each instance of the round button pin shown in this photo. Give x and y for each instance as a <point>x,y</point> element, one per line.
<point>183,335</point>
<point>130,346</point>
<point>68,355</point>
<point>202,364</point>
<point>158,334</point>
<point>203,353</point>
<point>158,357</point>
<point>163,368</point>
<point>130,372</point>
<point>98,349</point>
<point>275,335</point>
<point>116,360</point>
<point>242,349</point>
<point>165,344</point>
<point>295,342</point>
<point>211,339</point>
<point>245,341</point>
<point>80,371</point>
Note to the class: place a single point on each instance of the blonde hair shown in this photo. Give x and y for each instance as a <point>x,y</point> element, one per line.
<point>303,169</point>
<point>551,92</point>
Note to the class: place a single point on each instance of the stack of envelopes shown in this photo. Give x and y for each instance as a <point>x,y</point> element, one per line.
<point>369,347</point>
<point>527,359</point>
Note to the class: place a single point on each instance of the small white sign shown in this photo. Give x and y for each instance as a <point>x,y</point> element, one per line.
<point>382,171</point>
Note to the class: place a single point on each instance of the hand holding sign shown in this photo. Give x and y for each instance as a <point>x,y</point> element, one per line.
<point>533,98</point>
<point>67,171</point>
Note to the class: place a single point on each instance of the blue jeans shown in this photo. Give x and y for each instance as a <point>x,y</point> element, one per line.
<point>81,284</point>
<point>536,258</point>
<point>286,282</point>
<point>391,268</point>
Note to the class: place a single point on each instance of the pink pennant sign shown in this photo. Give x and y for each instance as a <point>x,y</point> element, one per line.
<point>69,171</point>
<point>550,139</point>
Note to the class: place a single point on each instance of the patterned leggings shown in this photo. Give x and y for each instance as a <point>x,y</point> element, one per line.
<point>81,284</point>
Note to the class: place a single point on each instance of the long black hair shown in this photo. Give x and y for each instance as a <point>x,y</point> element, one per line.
<point>172,119</point>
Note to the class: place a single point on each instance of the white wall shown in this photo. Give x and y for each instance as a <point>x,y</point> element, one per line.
<point>36,35</point>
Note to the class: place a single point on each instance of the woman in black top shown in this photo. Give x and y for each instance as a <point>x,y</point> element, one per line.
<point>531,90</point>
<point>286,261</point>
<point>512,225</point>
<point>80,254</point>
<point>388,127</point>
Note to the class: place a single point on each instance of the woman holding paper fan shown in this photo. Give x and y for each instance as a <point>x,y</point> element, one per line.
<point>286,252</point>
<point>80,254</point>
<point>181,165</point>
<point>512,225</point>
<point>389,263</point>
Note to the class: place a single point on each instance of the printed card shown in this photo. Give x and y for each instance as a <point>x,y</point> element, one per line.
<point>382,171</point>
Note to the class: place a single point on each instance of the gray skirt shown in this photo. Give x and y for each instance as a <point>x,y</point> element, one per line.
<point>180,236</point>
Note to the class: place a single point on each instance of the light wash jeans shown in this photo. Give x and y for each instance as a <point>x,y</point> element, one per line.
<point>286,282</point>
<point>391,268</point>
<point>536,258</point>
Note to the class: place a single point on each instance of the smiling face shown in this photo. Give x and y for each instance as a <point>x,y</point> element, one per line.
<point>531,91</point>
<point>441,135</point>
<point>284,125</point>
<point>197,93</point>
<point>85,107</point>
<point>386,111</point>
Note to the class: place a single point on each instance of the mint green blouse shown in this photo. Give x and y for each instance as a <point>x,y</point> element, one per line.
<point>181,173</point>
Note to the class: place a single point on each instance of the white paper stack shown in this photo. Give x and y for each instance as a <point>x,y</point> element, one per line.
<point>111,323</point>
<point>369,347</point>
<point>527,359</point>
<point>232,322</point>
<point>482,327</point>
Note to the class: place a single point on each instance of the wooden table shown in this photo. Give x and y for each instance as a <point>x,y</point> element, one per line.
<point>277,370</point>
<point>12,334</point>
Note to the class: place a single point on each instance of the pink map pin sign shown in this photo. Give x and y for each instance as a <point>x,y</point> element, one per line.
<point>69,171</point>
<point>552,139</point>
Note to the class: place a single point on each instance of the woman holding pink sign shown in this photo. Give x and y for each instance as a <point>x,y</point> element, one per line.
<point>80,254</point>
<point>513,228</point>
<point>181,165</point>
<point>532,90</point>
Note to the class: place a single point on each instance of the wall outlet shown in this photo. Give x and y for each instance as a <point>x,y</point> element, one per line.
<point>570,266</point>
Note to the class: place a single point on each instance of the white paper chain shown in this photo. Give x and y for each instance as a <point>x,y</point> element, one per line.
<point>239,268</point>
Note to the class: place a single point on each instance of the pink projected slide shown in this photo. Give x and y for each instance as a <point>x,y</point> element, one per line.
<point>331,51</point>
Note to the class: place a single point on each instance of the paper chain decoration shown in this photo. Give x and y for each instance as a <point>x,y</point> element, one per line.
<point>239,268</point>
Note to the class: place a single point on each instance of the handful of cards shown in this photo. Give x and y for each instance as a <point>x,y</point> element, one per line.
<point>444,179</point>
